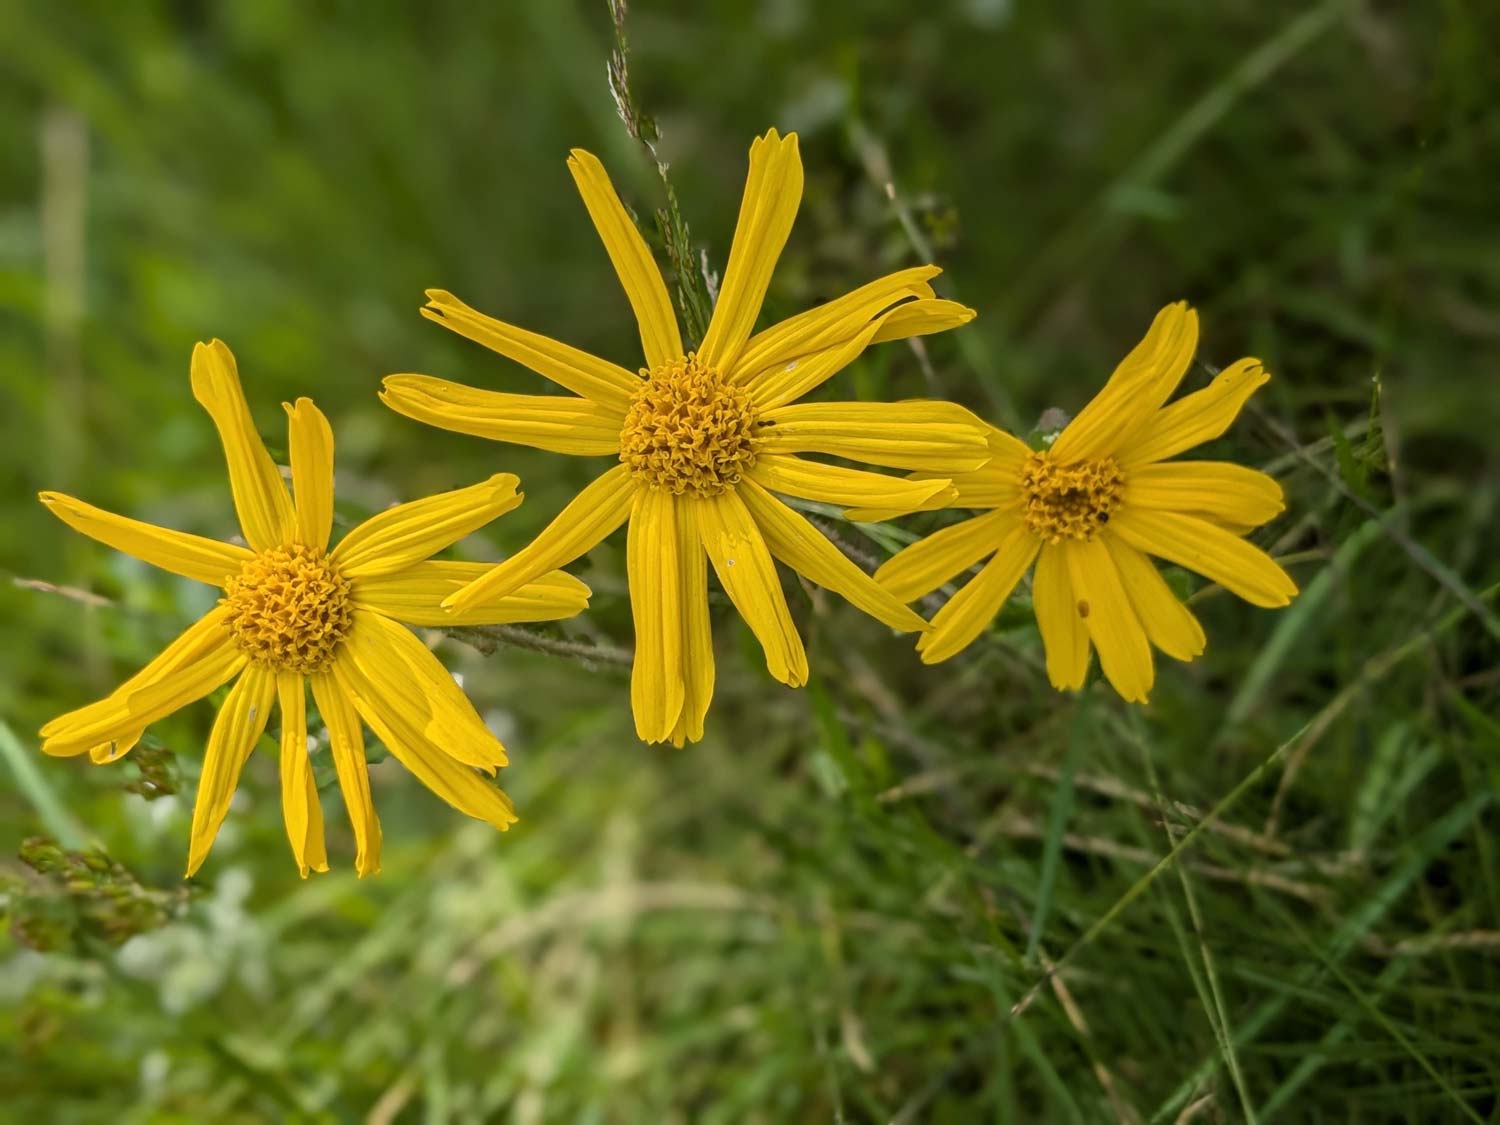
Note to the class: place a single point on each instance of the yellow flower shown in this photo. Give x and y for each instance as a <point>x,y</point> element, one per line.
<point>705,437</point>
<point>1090,508</point>
<point>295,612</point>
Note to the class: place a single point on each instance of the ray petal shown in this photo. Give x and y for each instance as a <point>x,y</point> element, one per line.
<point>178,552</point>
<point>632,259</point>
<point>260,497</point>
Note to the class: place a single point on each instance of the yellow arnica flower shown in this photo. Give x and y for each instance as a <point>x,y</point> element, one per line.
<point>704,439</point>
<point>294,612</point>
<point>1090,508</point>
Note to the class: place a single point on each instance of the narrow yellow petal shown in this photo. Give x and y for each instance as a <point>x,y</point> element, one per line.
<point>1008,454</point>
<point>995,484</point>
<point>831,324</point>
<point>697,632</point>
<point>346,741</point>
<point>260,497</point>
<point>853,488</point>
<point>415,596</point>
<point>203,636</point>
<point>579,427</point>
<point>1064,634</point>
<point>803,548</point>
<point>1196,418</point>
<point>748,575</point>
<point>1169,624</point>
<point>178,552</point>
<point>606,383</point>
<point>311,441</point>
<point>1238,566</point>
<point>773,191</point>
<point>632,259</point>
<point>656,682</point>
<point>595,512</point>
<point>448,778</point>
<point>918,570</point>
<point>199,661</point>
<point>407,534</point>
<point>299,792</point>
<point>397,672</point>
<point>240,722</point>
<point>1143,381</point>
<point>938,436</point>
<point>922,318</point>
<point>1110,619</point>
<point>968,613</point>
<point>1214,490</point>
<point>788,380</point>
<point>115,749</point>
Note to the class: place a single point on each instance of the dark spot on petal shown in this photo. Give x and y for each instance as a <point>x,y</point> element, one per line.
<point>1083,608</point>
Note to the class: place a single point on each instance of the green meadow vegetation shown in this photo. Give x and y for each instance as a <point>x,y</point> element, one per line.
<point>905,893</point>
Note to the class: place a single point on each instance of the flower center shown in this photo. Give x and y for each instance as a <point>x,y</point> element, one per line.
<point>289,608</point>
<point>1069,501</point>
<point>689,430</point>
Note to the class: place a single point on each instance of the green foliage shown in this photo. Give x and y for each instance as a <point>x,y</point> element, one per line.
<point>906,893</point>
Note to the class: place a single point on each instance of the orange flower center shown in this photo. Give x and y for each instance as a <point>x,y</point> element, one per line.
<point>689,430</point>
<point>289,608</point>
<point>1069,501</point>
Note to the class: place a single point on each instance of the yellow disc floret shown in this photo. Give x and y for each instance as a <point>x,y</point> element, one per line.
<point>289,608</point>
<point>1069,501</point>
<point>689,430</point>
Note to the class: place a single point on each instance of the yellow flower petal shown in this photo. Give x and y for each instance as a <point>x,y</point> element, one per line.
<point>697,633</point>
<point>1110,619</point>
<point>311,441</point>
<point>192,556</point>
<point>656,681</point>
<point>240,722</point>
<point>415,596</point>
<point>773,191</point>
<point>260,497</point>
<point>595,512</point>
<point>1196,418</point>
<point>1200,546</point>
<point>748,575</point>
<point>1140,384</point>
<point>1064,634</point>
<point>1169,624</point>
<point>996,484</point>
<point>919,569</point>
<point>916,434</point>
<point>1215,490</point>
<point>557,423</point>
<point>397,672</point>
<point>632,259</point>
<point>922,318</point>
<point>399,537</point>
<point>803,548</point>
<point>968,613</point>
<point>833,484</point>
<point>299,792</point>
<point>201,659</point>
<point>606,383</point>
<point>779,385</point>
<point>832,324</point>
<point>786,381</point>
<point>1008,454</point>
<point>346,742</point>
<point>115,749</point>
<point>448,778</point>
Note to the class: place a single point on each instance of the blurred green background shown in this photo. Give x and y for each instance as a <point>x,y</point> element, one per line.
<point>847,903</point>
